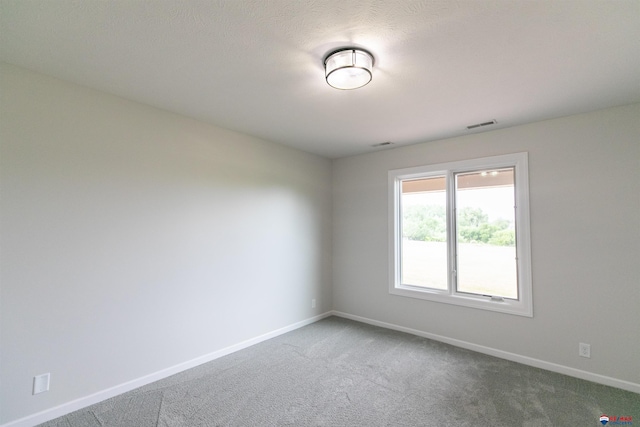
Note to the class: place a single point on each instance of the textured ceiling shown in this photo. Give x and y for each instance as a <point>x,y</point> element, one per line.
<point>255,66</point>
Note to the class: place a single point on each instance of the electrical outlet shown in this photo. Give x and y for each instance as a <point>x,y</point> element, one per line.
<point>41,383</point>
<point>584,350</point>
<point>313,303</point>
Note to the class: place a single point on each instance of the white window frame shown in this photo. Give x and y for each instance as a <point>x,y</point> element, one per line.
<point>523,306</point>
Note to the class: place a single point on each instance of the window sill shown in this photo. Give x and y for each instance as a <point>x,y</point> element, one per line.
<point>506,306</point>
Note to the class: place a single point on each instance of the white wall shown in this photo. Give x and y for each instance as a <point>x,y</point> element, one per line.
<point>584,174</point>
<point>134,239</point>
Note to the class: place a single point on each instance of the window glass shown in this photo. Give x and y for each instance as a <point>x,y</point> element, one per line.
<point>424,232</point>
<point>485,233</point>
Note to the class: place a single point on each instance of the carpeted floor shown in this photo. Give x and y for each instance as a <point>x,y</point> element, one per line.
<point>337,372</point>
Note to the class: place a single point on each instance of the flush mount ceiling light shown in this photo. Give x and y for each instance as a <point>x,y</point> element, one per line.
<point>348,68</point>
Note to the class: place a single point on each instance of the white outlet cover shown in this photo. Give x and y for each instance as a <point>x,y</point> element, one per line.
<point>41,383</point>
<point>584,350</point>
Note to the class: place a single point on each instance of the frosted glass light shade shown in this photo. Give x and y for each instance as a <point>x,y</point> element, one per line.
<point>348,68</point>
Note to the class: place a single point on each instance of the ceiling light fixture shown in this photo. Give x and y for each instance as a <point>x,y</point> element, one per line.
<point>348,68</point>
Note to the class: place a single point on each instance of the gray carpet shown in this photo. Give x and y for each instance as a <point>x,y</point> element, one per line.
<point>337,372</point>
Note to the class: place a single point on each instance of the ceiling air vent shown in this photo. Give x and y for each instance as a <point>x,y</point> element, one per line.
<point>382,144</point>
<point>479,125</point>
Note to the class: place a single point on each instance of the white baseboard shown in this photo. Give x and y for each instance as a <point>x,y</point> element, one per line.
<point>537,363</point>
<point>83,402</point>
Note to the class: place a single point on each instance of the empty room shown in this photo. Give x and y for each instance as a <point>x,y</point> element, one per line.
<point>319,213</point>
